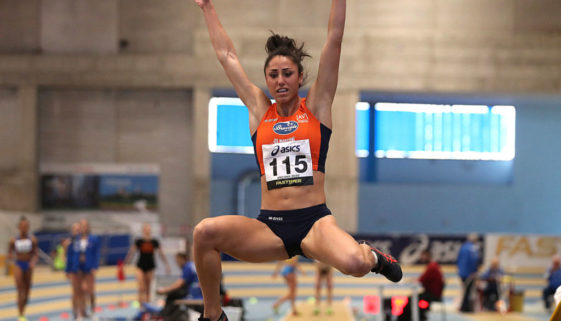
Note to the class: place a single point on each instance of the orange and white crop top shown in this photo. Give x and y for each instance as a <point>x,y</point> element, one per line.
<point>289,149</point>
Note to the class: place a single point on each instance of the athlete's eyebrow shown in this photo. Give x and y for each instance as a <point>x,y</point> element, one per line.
<point>286,68</point>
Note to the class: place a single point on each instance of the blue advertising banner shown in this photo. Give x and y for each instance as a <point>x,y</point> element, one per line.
<point>407,248</point>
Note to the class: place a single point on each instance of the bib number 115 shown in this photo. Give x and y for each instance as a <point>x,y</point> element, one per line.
<point>300,165</point>
<point>288,164</point>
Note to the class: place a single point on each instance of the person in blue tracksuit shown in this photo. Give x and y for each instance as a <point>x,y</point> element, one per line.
<point>71,270</point>
<point>468,261</point>
<point>84,262</point>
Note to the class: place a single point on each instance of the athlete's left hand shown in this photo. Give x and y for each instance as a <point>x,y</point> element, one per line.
<point>201,3</point>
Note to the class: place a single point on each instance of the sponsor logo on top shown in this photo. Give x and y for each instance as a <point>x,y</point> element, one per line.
<point>285,149</point>
<point>302,118</point>
<point>285,127</point>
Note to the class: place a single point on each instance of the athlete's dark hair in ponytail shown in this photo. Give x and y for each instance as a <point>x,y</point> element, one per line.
<point>278,45</point>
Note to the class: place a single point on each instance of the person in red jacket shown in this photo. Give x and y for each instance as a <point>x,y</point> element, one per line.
<point>432,281</point>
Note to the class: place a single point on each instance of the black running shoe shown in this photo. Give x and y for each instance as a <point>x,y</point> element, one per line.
<point>222,317</point>
<point>387,264</point>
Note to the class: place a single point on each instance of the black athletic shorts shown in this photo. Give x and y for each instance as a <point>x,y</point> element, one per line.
<point>292,226</point>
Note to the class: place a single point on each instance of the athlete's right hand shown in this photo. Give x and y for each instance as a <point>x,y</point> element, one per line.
<point>201,3</point>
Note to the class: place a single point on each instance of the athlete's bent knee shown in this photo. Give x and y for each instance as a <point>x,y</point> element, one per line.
<point>206,232</point>
<point>355,265</point>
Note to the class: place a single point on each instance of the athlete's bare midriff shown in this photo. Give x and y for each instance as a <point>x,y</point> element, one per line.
<point>293,197</point>
<point>24,256</point>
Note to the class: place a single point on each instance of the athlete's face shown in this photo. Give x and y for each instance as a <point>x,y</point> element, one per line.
<point>76,228</point>
<point>283,79</point>
<point>24,226</point>
<point>180,261</point>
<point>146,230</point>
<point>84,227</point>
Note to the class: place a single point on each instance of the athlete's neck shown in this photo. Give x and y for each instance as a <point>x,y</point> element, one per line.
<point>289,107</point>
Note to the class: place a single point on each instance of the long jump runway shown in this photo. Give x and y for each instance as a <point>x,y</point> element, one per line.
<point>341,312</point>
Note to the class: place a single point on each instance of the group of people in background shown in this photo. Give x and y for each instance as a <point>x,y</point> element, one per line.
<point>288,270</point>
<point>492,293</point>
<point>82,257</point>
<point>187,286</point>
<point>496,280</point>
<point>79,256</point>
<point>80,263</point>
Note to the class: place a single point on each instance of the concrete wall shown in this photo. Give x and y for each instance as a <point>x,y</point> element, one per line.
<point>511,46</point>
<point>19,26</point>
<point>124,126</point>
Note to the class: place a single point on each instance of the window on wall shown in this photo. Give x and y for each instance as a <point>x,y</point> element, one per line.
<point>421,138</point>
<point>362,129</point>
<point>428,131</point>
<point>228,126</point>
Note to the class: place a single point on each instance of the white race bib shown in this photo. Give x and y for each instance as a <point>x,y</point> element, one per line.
<point>83,245</point>
<point>288,164</point>
<point>23,245</point>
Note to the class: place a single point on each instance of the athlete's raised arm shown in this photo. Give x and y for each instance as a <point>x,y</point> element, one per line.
<point>252,96</point>
<point>322,92</point>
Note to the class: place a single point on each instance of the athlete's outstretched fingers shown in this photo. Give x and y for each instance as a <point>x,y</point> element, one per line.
<point>329,244</point>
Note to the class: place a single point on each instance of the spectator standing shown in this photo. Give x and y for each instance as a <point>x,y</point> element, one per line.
<point>468,260</point>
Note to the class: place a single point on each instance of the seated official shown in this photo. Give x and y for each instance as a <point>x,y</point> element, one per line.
<point>553,276</point>
<point>432,281</point>
<point>492,278</point>
<point>186,287</point>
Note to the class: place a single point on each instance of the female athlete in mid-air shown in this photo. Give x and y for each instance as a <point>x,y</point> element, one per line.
<point>291,138</point>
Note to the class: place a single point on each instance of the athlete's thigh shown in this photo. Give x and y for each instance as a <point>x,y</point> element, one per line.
<point>148,277</point>
<point>27,277</point>
<point>18,277</point>
<point>329,278</point>
<point>75,281</point>
<point>89,282</point>
<point>247,239</point>
<point>140,278</point>
<point>328,243</point>
<point>90,277</point>
<point>83,281</point>
<point>291,280</point>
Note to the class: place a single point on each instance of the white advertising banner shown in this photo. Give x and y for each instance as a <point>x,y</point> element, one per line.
<point>522,251</point>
